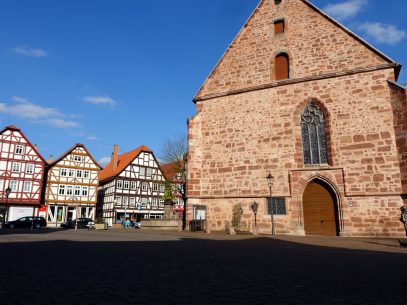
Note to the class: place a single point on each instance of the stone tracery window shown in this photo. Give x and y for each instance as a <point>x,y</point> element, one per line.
<point>314,135</point>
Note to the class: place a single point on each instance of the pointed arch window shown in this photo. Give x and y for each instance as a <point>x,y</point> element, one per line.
<point>314,135</point>
<point>282,66</point>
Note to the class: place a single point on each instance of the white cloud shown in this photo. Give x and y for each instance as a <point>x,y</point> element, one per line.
<point>91,138</point>
<point>60,123</point>
<point>104,161</point>
<point>30,52</point>
<point>100,100</point>
<point>25,109</point>
<point>345,10</point>
<point>383,33</point>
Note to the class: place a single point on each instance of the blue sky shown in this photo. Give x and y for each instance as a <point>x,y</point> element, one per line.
<point>124,72</point>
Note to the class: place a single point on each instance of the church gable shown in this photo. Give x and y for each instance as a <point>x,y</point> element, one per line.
<point>290,40</point>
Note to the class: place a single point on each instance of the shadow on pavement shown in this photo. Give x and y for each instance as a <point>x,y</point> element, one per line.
<point>197,271</point>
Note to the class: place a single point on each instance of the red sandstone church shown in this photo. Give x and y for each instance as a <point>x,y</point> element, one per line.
<point>300,96</point>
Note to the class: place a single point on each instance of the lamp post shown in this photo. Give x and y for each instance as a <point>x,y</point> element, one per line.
<point>270,184</point>
<point>254,207</point>
<point>8,191</point>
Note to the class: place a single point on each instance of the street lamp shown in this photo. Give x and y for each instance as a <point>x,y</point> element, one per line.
<point>270,184</point>
<point>254,207</point>
<point>8,191</point>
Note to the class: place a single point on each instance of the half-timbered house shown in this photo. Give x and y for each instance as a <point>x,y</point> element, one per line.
<point>131,187</point>
<point>72,184</point>
<point>22,171</point>
<point>174,173</point>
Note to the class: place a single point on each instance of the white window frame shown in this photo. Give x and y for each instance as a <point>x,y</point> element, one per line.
<point>19,149</point>
<point>155,186</point>
<point>69,190</point>
<point>61,189</point>
<point>77,190</point>
<point>126,184</point>
<point>119,184</point>
<point>13,185</point>
<point>144,186</point>
<point>77,158</point>
<point>85,191</point>
<point>155,202</point>
<point>162,188</point>
<point>78,173</point>
<point>71,172</point>
<point>132,201</point>
<point>133,185</point>
<point>15,167</point>
<point>29,168</point>
<point>149,172</point>
<point>63,172</point>
<point>86,174</point>
<point>27,187</point>
<point>142,171</point>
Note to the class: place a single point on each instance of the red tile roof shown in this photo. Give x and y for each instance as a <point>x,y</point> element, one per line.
<point>123,161</point>
<point>170,170</point>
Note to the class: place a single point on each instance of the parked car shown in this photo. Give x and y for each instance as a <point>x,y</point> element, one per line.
<point>83,223</point>
<point>26,222</point>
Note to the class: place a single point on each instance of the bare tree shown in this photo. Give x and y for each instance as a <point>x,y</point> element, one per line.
<point>173,153</point>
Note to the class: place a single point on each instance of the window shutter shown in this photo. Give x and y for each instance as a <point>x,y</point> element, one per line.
<point>282,67</point>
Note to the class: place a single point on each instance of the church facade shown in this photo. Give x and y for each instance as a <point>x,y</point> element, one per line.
<point>300,97</point>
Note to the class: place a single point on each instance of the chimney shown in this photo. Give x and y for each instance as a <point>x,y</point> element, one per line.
<point>115,156</point>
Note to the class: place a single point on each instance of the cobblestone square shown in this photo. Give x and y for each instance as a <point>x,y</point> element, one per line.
<point>138,267</point>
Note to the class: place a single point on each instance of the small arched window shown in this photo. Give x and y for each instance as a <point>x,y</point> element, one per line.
<point>282,66</point>
<point>277,2</point>
<point>314,135</point>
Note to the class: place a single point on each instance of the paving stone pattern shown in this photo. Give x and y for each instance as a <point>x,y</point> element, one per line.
<point>134,267</point>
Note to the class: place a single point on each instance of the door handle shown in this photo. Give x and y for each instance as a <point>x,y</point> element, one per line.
<point>322,221</point>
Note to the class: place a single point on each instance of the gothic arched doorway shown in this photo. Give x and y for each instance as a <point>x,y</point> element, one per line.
<point>320,210</point>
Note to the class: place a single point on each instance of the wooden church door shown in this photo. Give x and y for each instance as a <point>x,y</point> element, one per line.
<point>320,212</point>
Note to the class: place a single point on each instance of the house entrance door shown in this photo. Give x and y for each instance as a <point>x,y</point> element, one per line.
<point>320,210</point>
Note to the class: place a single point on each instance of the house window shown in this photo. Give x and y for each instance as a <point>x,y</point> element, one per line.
<point>126,185</point>
<point>119,200</point>
<point>125,201</point>
<point>13,185</point>
<point>155,202</point>
<point>79,173</point>
<point>64,172</point>
<point>132,201</point>
<point>85,174</point>
<point>77,190</point>
<point>144,186</point>
<point>155,186</point>
<point>69,190</point>
<point>149,172</point>
<point>161,203</point>
<point>143,202</point>
<point>282,66</point>
<point>29,169</point>
<point>71,173</point>
<point>133,185</point>
<point>61,190</point>
<point>314,135</point>
<point>27,186</point>
<point>84,191</point>
<point>77,158</point>
<point>15,167</point>
<point>119,184</point>
<point>19,150</point>
<point>279,26</point>
<point>162,187</point>
<point>142,171</point>
<point>278,206</point>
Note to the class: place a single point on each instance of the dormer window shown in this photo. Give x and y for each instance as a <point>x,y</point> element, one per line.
<point>279,26</point>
